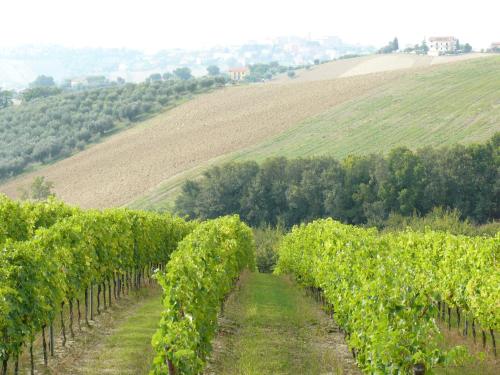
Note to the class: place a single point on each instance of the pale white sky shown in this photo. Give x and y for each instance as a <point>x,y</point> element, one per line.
<point>157,24</point>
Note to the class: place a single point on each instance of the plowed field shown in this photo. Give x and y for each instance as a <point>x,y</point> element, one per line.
<point>371,64</point>
<point>134,162</point>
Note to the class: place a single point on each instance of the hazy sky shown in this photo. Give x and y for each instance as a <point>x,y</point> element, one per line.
<point>158,24</point>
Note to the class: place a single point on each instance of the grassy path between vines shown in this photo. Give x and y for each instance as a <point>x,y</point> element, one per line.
<point>271,327</point>
<point>123,345</point>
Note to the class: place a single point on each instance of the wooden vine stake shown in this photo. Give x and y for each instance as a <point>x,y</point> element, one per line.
<point>32,359</point>
<point>79,315</point>
<point>91,302</point>
<point>171,368</point>
<point>109,292</point>
<point>71,318</point>
<point>44,345</point>
<point>87,307</point>
<point>51,339</point>
<point>493,342</point>
<point>4,366</point>
<point>98,299</point>
<point>63,327</point>
<point>104,294</point>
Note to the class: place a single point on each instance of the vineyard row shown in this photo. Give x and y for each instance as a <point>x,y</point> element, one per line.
<point>386,291</point>
<point>51,255</point>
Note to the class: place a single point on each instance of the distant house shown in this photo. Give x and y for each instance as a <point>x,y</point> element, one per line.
<point>78,82</point>
<point>495,46</point>
<point>442,45</point>
<point>88,82</point>
<point>238,74</point>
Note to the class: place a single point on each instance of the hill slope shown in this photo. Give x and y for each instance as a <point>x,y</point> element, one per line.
<point>435,106</point>
<point>133,162</point>
<point>416,107</point>
<point>458,103</point>
<point>372,64</point>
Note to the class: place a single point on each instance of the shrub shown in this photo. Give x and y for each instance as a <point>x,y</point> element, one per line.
<point>267,240</point>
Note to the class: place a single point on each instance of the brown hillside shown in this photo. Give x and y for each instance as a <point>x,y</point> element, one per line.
<point>372,64</point>
<point>134,162</point>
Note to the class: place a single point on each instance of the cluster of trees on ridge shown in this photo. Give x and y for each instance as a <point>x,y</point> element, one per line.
<point>422,49</point>
<point>259,72</point>
<point>392,46</point>
<point>51,124</point>
<point>358,190</point>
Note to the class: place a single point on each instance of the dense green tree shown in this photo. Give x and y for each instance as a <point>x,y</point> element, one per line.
<point>266,199</point>
<point>155,77</point>
<point>390,47</point>
<point>189,199</point>
<point>39,190</point>
<point>360,190</point>
<point>39,92</point>
<point>423,48</point>
<point>472,180</point>
<point>192,86</point>
<point>221,192</point>
<point>5,98</point>
<point>183,73</point>
<point>43,81</point>
<point>395,44</point>
<point>58,123</point>
<point>97,81</point>
<point>213,70</point>
<point>317,182</point>
<point>259,72</point>
<point>166,76</point>
<point>208,82</point>
<point>402,189</point>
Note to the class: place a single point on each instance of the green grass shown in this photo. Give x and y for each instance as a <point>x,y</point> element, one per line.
<point>482,360</point>
<point>127,348</point>
<point>456,103</point>
<point>276,329</point>
<point>442,105</point>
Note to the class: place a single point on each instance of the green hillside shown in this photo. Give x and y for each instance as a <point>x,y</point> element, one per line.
<point>456,103</point>
<point>442,105</point>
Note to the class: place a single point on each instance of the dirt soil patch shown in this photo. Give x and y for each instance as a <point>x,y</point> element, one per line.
<point>134,162</point>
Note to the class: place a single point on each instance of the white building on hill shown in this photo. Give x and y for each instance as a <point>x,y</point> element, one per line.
<point>238,74</point>
<point>442,45</point>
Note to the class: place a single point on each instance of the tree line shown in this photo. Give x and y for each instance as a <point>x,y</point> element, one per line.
<point>421,49</point>
<point>51,124</point>
<point>260,72</point>
<point>357,190</point>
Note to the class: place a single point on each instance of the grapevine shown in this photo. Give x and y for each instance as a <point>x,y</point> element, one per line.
<point>385,290</point>
<point>44,269</point>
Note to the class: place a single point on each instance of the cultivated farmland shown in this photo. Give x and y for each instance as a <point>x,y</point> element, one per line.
<point>351,114</point>
<point>457,103</point>
<point>134,162</point>
<point>436,106</point>
<point>371,64</point>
